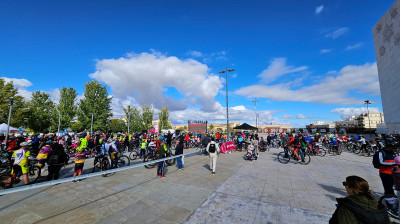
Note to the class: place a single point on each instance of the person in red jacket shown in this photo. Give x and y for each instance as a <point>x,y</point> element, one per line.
<point>187,137</point>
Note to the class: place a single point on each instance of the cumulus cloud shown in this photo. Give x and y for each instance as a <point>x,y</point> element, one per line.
<point>319,9</point>
<point>337,33</point>
<point>145,77</point>
<point>237,113</point>
<point>21,85</point>
<point>346,112</point>
<point>278,68</point>
<point>333,89</point>
<point>325,51</point>
<point>357,45</point>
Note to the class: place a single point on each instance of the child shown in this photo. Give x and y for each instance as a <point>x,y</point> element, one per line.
<point>79,161</point>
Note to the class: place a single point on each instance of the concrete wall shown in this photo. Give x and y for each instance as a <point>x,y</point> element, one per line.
<point>387,49</point>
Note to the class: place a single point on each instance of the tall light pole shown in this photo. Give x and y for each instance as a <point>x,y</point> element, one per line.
<point>59,121</point>
<point>227,106</point>
<point>91,126</point>
<point>255,102</point>
<point>11,100</point>
<point>129,119</point>
<point>369,121</point>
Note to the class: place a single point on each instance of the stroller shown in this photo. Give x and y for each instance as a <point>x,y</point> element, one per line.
<point>250,155</point>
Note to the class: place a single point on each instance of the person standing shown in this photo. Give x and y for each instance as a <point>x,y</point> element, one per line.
<point>386,160</point>
<point>57,158</point>
<point>161,155</point>
<point>255,144</point>
<point>213,150</point>
<point>179,151</point>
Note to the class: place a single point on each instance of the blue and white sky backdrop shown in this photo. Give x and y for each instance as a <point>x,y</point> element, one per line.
<point>305,61</point>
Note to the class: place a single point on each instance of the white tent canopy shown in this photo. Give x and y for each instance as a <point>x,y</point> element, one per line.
<point>3,128</point>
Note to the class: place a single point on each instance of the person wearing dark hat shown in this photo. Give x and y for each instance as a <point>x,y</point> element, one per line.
<point>386,160</point>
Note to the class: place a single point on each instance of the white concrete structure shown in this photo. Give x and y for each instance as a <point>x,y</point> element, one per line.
<point>387,49</point>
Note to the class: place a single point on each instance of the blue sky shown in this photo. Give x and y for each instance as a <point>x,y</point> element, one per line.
<point>305,61</point>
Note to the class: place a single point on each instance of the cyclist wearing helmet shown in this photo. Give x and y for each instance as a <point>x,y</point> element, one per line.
<point>43,153</point>
<point>110,149</point>
<point>20,164</point>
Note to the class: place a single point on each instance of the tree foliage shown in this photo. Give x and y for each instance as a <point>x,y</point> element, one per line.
<point>163,116</point>
<point>66,108</point>
<point>8,91</point>
<point>117,125</point>
<point>140,118</point>
<point>97,102</point>
<point>40,111</point>
<point>77,127</point>
<point>211,127</point>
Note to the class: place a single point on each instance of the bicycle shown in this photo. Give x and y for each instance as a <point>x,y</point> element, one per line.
<point>101,163</point>
<point>7,180</point>
<point>285,156</point>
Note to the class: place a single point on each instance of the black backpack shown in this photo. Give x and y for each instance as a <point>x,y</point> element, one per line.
<point>375,159</point>
<point>211,149</point>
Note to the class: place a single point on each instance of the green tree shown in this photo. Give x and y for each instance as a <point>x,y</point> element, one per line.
<point>163,116</point>
<point>140,118</point>
<point>18,116</point>
<point>66,108</point>
<point>77,127</point>
<point>40,111</point>
<point>117,125</point>
<point>211,127</point>
<point>147,116</point>
<point>96,101</point>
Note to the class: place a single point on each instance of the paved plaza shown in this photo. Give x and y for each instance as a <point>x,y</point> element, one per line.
<point>261,191</point>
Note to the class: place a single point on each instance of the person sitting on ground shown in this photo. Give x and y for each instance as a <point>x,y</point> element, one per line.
<point>359,206</point>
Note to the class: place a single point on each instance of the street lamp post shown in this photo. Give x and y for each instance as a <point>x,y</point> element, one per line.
<point>255,102</point>
<point>129,120</point>
<point>59,121</point>
<point>91,126</point>
<point>227,106</point>
<point>369,121</point>
<point>11,100</point>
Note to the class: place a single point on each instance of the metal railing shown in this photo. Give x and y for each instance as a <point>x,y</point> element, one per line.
<point>70,179</point>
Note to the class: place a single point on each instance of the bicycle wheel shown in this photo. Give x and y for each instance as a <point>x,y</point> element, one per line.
<point>123,161</point>
<point>339,151</point>
<point>321,152</point>
<point>133,155</point>
<point>357,150</point>
<point>149,158</point>
<point>170,162</point>
<point>105,165</point>
<point>34,173</point>
<point>306,159</point>
<point>283,157</point>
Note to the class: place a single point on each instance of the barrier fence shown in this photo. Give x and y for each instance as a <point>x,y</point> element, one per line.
<point>70,179</point>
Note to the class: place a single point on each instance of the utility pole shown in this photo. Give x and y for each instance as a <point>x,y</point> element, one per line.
<point>369,121</point>
<point>11,100</point>
<point>227,106</point>
<point>255,102</point>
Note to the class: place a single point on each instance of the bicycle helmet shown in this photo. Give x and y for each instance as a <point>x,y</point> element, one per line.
<point>25,144</point>
<point>49,142</point>
<point>109,140</point>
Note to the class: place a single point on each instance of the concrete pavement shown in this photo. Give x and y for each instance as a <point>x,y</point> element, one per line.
<point>261,191</point>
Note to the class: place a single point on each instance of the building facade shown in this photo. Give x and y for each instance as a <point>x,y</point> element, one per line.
<point>387,50</point>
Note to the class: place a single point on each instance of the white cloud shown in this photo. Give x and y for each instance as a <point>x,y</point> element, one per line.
<point>21,85</point>
<point>196,54</point>
<point>145,76</point>
<point>337,33</point>
<point>319,9</point>
<point>346,112</point>
<point>278,68</point>
<point>330,90</point>
<point>238,113</point>
<point>325,51</point>
<point>357,45</point>
<point>300,116</point>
